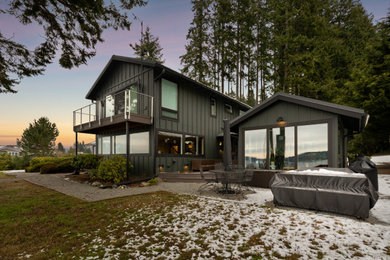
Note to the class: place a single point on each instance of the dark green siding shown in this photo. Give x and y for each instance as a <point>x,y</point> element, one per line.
<point>193,114</point>
<point>193,118</point>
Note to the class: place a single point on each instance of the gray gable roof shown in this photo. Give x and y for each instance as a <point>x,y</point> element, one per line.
<point>351,112</point>
<point>164,69</point>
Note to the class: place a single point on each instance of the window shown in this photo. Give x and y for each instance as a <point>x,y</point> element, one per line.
<point>109,106</point>
<point>169,143</point>
<point>213,107</point>
<point>190,145</point>
<point>106,145</point>
<point>132,99</point>
<point>242,112</point>
<point>228,109</point>
<point>281,148</point>
<point>120,144</point>
<point>139,143</point>
<point>200,145</point>
<point>256,148</point>
<point>169,99</point>
<point>312,145</point>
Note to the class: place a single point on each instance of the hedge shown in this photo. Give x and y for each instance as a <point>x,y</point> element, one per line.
<point>38,162</point>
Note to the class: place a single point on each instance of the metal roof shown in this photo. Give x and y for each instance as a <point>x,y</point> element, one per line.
<point>309,102</point>
<point>154,64</point>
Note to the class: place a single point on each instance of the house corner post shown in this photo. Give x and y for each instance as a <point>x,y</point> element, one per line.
<point>127,151</point>
<point>76,170</point>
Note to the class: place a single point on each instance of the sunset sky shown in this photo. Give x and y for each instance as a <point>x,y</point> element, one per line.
<point>60,91</point>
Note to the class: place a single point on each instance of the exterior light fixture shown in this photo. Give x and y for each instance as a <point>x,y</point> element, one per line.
<point>281,122</point>
<point>161,167</point>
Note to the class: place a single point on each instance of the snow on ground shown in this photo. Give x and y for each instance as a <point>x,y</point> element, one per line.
<point>381,159</point>
<point>325,172</point>
<point>204,228</point>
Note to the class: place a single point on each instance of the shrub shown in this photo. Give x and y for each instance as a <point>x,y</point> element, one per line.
<point>86,161</point>
<point>64,166</point>
<point>153,181</point>
<point>20,162</point>
<point>113,169</point>
<point>93,174</point>
<point>6,162</point>
<point>38,162</point>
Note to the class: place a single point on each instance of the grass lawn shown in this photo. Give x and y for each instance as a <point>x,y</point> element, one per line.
<point>39,223</point>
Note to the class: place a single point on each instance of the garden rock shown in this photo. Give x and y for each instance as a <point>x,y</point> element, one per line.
<point>144,184</point>
<point>96,184</point>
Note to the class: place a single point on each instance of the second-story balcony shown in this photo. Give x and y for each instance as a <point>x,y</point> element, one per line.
<point>114,111</point>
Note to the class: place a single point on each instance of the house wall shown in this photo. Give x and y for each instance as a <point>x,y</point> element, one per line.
<point>292,114</point>
<point>193,114</point>
<point>193,118</point>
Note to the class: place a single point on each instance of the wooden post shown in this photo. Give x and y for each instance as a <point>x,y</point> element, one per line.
<point>127,150</point>
<point>76,170</point>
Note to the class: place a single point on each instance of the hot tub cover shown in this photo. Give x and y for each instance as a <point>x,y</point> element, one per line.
<point>333,190</point>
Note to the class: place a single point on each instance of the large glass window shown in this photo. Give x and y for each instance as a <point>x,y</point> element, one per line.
<point>169,99</point>
<point>169,143</point>
<point>106,145</point>
<point>132,99</point>
<point>312,145</point>
<point>281,148</point>
<point>256,148</point>
<point>139,143</point>
<point>110,106</point>
<point>213,107</point>
<point>120,144</point>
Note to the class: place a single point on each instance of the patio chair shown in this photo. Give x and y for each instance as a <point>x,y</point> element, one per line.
<point>210,181</point>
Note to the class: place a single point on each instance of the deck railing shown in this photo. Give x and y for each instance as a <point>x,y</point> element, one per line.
<point>126,103</point>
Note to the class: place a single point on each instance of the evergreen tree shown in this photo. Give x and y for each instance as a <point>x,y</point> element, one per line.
<point>370,89</point>
<point>38,139</point>
<point>60,148</point>
<point>71,31</point>
<point>148,47</point>
<point>194,61</point>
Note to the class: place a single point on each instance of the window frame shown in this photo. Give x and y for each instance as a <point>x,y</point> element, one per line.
<point>149,144</point>
<point>295,125</point>
<point>167,109</point>
<point>228,108</point>
<point>183,134</point>
<point>215,104</point>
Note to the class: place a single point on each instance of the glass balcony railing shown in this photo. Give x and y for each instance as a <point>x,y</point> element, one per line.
<point>126,103</point>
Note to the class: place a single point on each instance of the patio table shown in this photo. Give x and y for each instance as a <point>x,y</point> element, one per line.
<point>226,178</point>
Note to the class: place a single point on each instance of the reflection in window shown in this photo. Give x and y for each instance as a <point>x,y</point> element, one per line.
<point>213,107</point>
<point>169,143</point>
<point>109,108</point>
<point>106,145</point>
<point>120,144</point>
<point>132,99</point>
<point>190,145</point>
<point>169,99</point>
<point>139,143</point>
<point>312,145</point>
<point>256,149</point>
<point>281,148</point>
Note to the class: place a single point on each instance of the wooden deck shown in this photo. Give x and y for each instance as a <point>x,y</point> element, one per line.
<point>183,177</point>
<point>110,123</point>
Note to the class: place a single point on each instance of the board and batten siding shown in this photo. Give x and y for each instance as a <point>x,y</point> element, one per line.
<point>111,82</point>
<point>291,113</point>
<point>193,118</point>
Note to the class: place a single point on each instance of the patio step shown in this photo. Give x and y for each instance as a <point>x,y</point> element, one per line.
<point>182,177</point>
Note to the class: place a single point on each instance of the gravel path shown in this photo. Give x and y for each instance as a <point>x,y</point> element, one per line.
<point>89,193</point>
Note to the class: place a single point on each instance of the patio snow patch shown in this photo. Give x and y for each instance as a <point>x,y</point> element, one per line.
<point>205,228</point>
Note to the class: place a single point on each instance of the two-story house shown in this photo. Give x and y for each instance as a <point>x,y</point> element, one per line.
<point>156,117</point>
